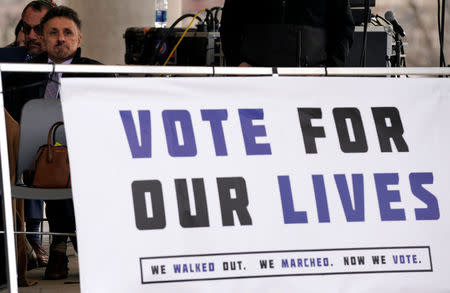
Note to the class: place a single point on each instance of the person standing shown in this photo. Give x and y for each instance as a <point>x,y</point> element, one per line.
<point>286,33</point>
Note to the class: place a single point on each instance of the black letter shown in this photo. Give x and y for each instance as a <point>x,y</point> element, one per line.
<point>143,221</point>
<point>385,132</point>
<point>348,146</point>
<point>310,132</point>
<point>186,219</point>
<point>238,204</point>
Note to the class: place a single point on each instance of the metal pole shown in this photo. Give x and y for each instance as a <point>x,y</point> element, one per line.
<point>46,233</point>
<point>443,63</point>
<point>158,71</point>
<point>7,200</point>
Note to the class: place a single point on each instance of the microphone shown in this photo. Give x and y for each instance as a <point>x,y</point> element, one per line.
<point>397,28</point>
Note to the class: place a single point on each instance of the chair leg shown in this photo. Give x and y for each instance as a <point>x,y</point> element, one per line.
<point>21,244</point>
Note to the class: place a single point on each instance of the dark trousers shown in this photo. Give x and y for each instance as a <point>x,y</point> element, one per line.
<point>61,219</point>
<point>33,209</point>
<point>33,215</point>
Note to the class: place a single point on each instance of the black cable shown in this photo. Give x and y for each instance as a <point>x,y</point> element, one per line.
<point>217,9</point>
<point>382,18</point>
<point>182,18</point>
<point>439,30</point>
<point>167,33</point>
<point>439,18</point>
<point>210,25</point>
<point>442,34</point>
<point>362,61</point>
<point>441,23</point>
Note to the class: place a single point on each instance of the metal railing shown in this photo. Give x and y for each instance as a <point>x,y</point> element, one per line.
<point>228,71</point>
<point>171,71</point>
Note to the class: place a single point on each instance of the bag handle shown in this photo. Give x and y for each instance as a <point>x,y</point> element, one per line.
<point>51,134</point>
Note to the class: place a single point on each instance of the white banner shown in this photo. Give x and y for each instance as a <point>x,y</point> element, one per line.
<point>260,184</point>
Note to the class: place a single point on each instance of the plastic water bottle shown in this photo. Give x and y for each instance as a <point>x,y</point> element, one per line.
<point>161,7</point>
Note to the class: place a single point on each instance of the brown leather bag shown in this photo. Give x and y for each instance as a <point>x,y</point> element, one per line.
<point>51,164</point>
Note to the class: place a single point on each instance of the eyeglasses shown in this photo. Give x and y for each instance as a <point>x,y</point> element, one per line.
<point>26,28</point>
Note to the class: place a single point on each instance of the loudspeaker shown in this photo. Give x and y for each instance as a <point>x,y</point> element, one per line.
<point>379,47</point>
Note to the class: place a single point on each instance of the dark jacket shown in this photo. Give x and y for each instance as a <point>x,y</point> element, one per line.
<point>19,88</point>
<point>276,26</point>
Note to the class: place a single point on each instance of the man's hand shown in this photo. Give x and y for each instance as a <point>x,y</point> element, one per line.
<point>245,64</point>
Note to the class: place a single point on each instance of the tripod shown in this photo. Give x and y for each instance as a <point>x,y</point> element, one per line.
<point>399,60</point>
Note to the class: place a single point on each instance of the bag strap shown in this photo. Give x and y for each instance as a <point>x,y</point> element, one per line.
<point>51,134</point>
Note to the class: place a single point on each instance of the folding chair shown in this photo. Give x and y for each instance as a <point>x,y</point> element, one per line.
<point>37,118</point>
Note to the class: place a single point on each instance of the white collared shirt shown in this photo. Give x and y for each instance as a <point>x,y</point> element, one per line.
<point>52,88</point>
<point>67,62</point>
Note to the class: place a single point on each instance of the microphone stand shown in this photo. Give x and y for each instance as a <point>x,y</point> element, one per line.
<point>398,50</point>
<point>399,59</point>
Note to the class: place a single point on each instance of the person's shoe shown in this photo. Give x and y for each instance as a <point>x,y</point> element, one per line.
<point>41,254</point>
<point>32,261</point>
<point>57,268</point>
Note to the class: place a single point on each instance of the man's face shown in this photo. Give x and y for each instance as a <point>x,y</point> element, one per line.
<point>32,19</point>
<point>61,38</point>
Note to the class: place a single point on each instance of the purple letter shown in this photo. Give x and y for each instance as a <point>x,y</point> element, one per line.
<point>432,210</point>
<point>385,197</point>
<point>250,131</point>
<point>215,118</point>
<point>321,199</point>
<point>352,214</point>
<point>290,215</point>
<point>188,148</point>
<point>138,151</point>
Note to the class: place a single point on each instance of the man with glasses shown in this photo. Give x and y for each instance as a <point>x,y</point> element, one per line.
<point>30,21</point>
<point>31,16</point>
